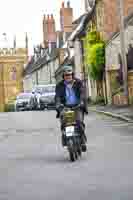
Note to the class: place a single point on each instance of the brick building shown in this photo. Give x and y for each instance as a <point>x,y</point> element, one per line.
<point>51,55</point>
<point>108,15</point>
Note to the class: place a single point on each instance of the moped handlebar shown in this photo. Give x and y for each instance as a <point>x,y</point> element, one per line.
<point>72,107</point>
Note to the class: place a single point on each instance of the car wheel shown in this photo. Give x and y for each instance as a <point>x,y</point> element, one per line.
<point>17,109</point>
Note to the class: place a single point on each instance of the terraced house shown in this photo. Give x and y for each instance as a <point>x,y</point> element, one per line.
<point>105,20</point>
<point>40,70</point>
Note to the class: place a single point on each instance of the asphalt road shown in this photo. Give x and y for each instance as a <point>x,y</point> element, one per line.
<point>34,166</point>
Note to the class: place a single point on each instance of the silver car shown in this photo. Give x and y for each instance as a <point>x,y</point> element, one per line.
<point>47,99</point>
<point>25,101</point>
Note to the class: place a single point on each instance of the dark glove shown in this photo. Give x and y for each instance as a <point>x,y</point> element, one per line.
<point>82,105</point>
<point>60,107</point>
<point>57,115</point>
<point>59,110</point>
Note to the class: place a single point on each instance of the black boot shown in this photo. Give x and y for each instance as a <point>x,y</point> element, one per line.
<point>83,141</point>
<point>63,139</point>
<point>82,130</point>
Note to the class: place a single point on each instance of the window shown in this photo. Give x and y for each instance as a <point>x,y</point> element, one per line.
<point>13,73</point>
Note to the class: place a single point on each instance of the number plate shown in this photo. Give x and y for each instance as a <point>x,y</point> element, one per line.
<point>69,131</point>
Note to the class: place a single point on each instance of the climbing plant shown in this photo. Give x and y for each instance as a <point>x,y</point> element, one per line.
<point>94,57</point>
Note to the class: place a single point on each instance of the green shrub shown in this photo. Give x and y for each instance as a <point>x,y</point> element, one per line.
<point>94,55</point>
<point>96,61</point>
<point>99,100</point>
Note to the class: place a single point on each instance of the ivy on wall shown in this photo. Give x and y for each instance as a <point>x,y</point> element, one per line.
<point>94,57</point>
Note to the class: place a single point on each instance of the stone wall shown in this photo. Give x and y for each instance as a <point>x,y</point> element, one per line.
<point>113,48</point>
<point>130,86</point>
<point>113,64</point>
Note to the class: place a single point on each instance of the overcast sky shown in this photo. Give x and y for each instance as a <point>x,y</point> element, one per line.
<point>18,17</point>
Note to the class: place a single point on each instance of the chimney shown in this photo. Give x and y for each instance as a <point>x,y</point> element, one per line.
<point>48,17</point>
<point>52,18</point>
<point>45,33</point>
<point>68,4</point>
<point>44,17</point>
<point>63,4</point>
<point>66,18</point>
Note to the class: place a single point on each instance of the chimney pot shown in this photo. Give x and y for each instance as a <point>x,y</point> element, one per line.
<point>63,4</point>
<point>68,4</point>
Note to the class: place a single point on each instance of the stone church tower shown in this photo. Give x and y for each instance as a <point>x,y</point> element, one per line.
<point>12,62</point>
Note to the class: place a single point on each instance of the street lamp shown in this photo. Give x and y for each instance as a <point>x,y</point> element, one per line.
<point>123,46</point>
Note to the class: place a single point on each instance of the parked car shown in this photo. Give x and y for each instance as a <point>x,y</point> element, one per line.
<point>37,91</point>
<point>25,101</point>
<point>47,99</point>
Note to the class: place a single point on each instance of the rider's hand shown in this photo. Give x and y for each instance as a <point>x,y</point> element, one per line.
<point>60,107</point>
<point>82,104</point>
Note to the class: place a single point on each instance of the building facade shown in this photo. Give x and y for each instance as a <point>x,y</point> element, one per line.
<point>41,70</point>
<point>114,67</point>
<point>108,18</point>
<point>12,63</point>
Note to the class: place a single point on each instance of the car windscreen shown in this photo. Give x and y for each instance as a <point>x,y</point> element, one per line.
<point>49,89</point>
<point>38,90</point>
<point>24,96</point>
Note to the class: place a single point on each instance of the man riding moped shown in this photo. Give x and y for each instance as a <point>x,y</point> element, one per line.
<point>70,93</point>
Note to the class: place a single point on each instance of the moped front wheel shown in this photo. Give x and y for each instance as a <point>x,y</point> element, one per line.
<point>72,153</point>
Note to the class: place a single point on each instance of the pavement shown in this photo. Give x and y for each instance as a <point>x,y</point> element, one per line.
<point>124,113</point>
<point>34,166</point>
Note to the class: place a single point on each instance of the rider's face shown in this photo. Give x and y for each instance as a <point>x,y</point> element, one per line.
<point>68,77</point>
